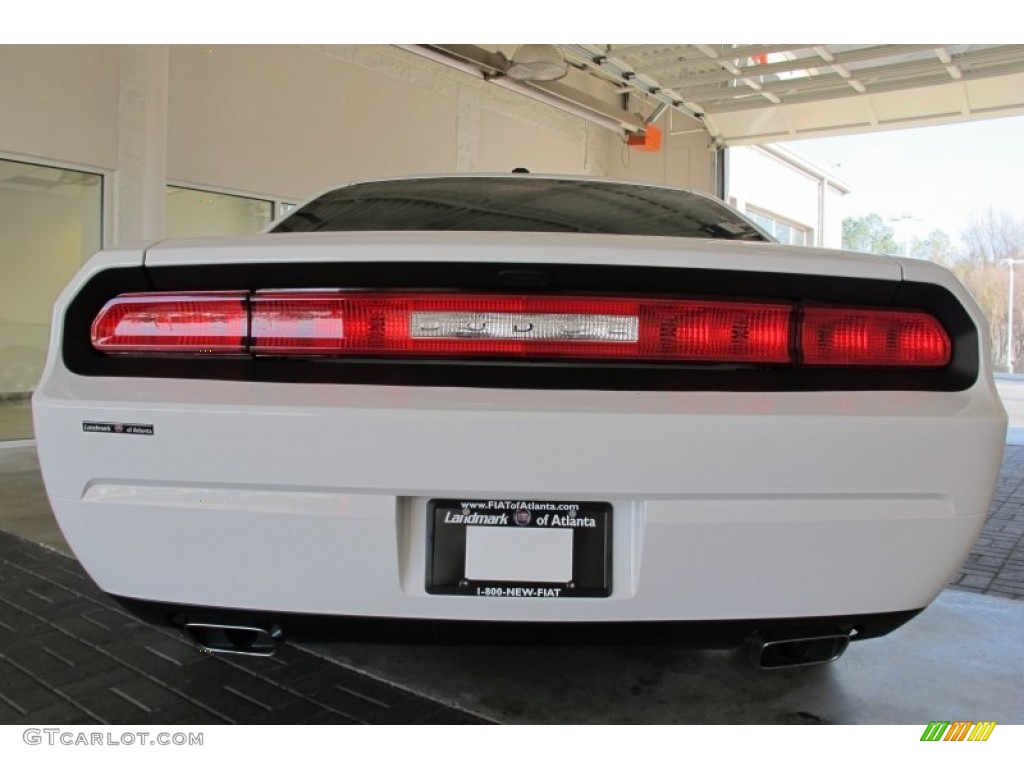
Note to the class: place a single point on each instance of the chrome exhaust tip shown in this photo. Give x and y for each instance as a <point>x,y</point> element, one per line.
<point>231,638</point>
<point>798,652</point>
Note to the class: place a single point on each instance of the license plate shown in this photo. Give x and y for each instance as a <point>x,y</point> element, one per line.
<point>519,548</point>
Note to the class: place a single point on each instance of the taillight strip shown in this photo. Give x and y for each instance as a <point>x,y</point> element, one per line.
<point>838,336</point>
<point>201,322</point>
<point>443,325</point>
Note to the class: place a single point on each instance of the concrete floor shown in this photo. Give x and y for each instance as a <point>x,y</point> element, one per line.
<point>24,508</point>
<point>960,659</point>
<point>15,418</point>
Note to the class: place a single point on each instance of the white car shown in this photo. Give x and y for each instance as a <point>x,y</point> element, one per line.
<point>523,400</point>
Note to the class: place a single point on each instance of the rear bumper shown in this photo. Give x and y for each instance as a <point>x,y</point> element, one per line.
<point>671,561</point>
<point>308,627</point>
<point>727,507</point>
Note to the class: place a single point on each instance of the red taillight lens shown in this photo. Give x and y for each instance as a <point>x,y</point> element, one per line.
<point>173,322</point>
<point>718,331</point>
<point>339,323</point>
<point>518,326</point>
<point>298,323</point>
<point>833,336</point>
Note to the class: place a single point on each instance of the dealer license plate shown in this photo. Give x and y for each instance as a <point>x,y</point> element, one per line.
<point>519,548</point>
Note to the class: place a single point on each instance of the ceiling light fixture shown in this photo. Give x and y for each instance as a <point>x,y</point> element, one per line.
<point>537,63</point>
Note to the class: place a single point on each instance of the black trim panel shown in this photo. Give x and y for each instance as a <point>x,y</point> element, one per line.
<point>705,634</point>
<point>662,282</point>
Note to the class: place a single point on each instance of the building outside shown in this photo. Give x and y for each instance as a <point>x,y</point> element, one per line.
<point>795,200</point>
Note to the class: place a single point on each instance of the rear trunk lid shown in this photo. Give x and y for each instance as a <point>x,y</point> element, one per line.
<point>521,247</point>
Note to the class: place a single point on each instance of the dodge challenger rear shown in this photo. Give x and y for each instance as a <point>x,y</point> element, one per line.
<point>519,400</point>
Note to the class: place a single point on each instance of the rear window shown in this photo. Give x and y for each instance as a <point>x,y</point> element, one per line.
<point>519,204</point>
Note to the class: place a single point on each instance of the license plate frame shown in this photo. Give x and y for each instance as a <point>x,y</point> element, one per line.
<point>448,521</point>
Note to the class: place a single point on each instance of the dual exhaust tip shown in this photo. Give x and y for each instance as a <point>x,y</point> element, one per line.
<point>798,652</point>
<point>233,638</point>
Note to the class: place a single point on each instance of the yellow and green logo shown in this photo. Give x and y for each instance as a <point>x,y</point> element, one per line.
<point>958,730</point>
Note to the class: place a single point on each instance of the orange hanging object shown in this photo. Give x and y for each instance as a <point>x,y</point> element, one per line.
<point>647,141</point>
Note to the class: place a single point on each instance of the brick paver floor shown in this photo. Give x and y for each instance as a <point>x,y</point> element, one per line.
<point>996,563</point>
<point>70,655</point>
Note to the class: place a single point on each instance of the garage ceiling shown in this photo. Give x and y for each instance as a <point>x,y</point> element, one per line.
<point>759,93</point>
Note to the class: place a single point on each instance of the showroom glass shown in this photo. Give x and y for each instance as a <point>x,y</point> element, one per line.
<point>518,204</point>
<point>197,213</point>
<point>783,231</point>
<point>51,221</point>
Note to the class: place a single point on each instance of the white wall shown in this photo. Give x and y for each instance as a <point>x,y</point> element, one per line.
<point>288,121</point>
<point>507,142</point>
<point>60,102</point>
<point>686,158</point>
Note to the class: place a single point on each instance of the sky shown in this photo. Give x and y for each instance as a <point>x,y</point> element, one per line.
<point>937,175</point>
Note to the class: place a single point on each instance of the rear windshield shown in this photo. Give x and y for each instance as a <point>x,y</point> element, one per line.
<point>519,204</point>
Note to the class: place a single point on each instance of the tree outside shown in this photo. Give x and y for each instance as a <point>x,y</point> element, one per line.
<point>869,234</point>
<point>991,238</point>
